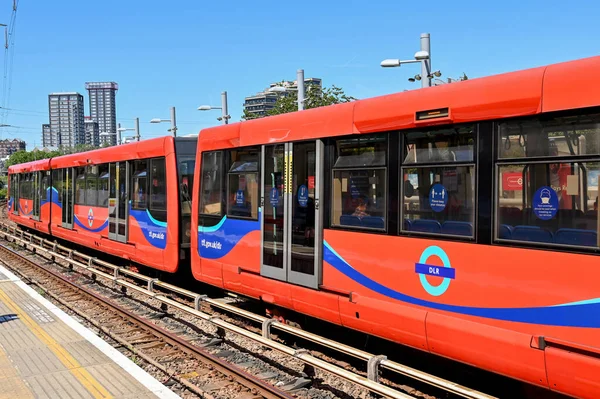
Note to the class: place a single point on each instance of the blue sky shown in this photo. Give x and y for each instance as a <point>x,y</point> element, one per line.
<point>184,53</point>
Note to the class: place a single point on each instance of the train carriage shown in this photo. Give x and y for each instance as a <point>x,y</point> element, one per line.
<point>30,195</point>
<point>125,200</point>
<point>461,220</point>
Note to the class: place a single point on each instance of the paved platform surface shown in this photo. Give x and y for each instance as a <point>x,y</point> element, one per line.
<point>45,353</point>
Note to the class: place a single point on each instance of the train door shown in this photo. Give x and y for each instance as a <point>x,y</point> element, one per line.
<point>14,188</point>
<point>118,209</point>
<point>291,219</point>
<point>36,186</point>
<point>67,197</point>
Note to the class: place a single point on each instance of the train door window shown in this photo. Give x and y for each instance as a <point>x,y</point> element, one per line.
<point>242,183</point>
<point>35,194</point>
<point>139,184</point>
<point>438,182</point>
<point>44,186</point>
<point>158,189</point>
<point>80,186</point>
<point>57,183</point>
<point>91,185</point>
<point>211,192</point>
<point>103,185</point>
<point>359,183</point>
<point>547,181</point>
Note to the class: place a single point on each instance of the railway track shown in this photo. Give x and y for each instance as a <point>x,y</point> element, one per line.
<point>150,288</point>
<point>187,364</point>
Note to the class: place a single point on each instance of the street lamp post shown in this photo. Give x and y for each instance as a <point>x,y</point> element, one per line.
<point>136,129</point>
<point>300,86</point>
<point>172,120</point>
<point>423,56</point>
<point>224,115</point>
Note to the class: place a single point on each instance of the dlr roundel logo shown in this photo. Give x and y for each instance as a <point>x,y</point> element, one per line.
<point>423,268</point>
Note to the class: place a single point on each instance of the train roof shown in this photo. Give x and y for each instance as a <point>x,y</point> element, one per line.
<point>150,148</point>
<point>550,88</point>
<point>33,166</point>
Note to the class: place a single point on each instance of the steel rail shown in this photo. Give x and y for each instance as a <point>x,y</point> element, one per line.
<point>378,360</point>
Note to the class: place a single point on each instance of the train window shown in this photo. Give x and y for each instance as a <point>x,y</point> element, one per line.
<point>158,189</point>
<point>440,145</point>
<point>438,182</point>
<point>44,186</point>
<point>57,183</point>
<point>139,185</point>
<point>80,186</point>
<point>577,135</point>
<point>359,183</point>
<point>103,185</point>
<point>242,183</point>
<point>91,186</point>
<point>211,184</point>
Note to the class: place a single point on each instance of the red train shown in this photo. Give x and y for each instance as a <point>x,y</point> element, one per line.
<point>461,220</point>
<point>131,201</point>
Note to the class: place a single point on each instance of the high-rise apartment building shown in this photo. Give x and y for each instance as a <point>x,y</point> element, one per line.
<point>262,102</point>
<point>103,109</point>
<point>49,139</point>
<point>92,132</point>
<point>66,118</point>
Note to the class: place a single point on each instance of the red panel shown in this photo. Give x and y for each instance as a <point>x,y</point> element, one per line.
<point>43,164</point>
<point>316,303</point>
<point>314,123</point>
<point>399,323</point>
<point>571,85</point>
<point>501,350</point>
<point>136,150</point>
<point>573,373</point>
<point>499,96</point>
<point>219,137</point>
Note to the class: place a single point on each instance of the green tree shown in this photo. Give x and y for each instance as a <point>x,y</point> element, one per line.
<point>315,97</point>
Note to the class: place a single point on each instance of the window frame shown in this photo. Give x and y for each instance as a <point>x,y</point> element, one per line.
<point>76,189</point>
<point>156,212</point>
<point>385,167</point>
<point>200,183</point>
<point>441,165</point>
<point>88,174</point>
<point>227,185</point>
<point>499,162</point>
<point>147,178</point>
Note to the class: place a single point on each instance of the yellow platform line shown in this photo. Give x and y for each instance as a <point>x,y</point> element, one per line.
<point>83,376</point>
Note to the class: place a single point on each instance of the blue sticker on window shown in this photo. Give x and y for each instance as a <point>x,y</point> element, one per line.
<point>303,196</point>
<point>239,197</point>
<point>545,203</point>
<point>438,198</point>
<point>274,197</point>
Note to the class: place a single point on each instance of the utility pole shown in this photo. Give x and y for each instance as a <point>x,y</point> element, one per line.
<point>426,64</point>
<point>173,123</point>
<point>137,129</point>
<point>224,107</point>
<point>300,79</point>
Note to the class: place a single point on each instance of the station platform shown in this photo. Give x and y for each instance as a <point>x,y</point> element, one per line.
<point>45,353</point>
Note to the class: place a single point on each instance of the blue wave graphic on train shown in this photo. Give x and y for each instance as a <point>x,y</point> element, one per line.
<point>10,203</point>
<point>155,231</point>
<point>214,242</point>
<point>24,213</point>
<point>86,226</point>
<point>51,196</point>
<point>575,314</point>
